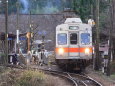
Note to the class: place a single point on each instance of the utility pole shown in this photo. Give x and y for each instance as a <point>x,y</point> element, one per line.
<point>17,44</point>
<point>97,59</point>
<point>6,30</point>
<point>110,37</point>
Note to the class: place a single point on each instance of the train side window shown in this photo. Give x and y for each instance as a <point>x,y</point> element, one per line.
<point>73,38</point>
<point>85,38</point>
<point>62,38</point>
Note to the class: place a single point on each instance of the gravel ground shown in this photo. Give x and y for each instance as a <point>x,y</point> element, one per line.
<point>100,77</point>
<point>56,81</point>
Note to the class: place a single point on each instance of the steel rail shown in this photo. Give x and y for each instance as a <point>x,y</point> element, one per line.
<point>72,79</point>
<point>63,75</point>
<point>96,82</point>
<point>84,83</point>
<point>85,77</point>
<point>88,78</point>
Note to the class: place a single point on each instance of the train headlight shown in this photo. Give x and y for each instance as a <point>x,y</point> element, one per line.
<point>87,51</point>
<point>60,51</point>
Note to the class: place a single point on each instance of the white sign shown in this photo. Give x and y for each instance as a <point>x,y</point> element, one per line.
<point>17,36</point>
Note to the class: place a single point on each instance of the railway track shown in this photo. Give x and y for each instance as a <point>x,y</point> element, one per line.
<point>73,78</point>
<point>77,79</point>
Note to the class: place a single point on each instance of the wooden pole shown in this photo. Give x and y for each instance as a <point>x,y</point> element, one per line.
<point>97,60</point>
<point>110,38</point>
<point>17,43</point>
<point>6,31</point>
<point>28,36</point>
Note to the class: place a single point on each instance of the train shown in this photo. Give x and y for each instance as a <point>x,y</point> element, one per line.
<point>74,47</point>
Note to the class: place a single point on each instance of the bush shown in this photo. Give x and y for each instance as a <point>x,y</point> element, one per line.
<point>31,78</point>
<point>113,67</point>
<point>2,58</point>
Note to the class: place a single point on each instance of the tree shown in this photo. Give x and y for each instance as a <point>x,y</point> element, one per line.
<point>11,6</point>
<point>83,8</point>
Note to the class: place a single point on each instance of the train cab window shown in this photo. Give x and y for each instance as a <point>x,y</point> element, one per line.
<point>62,38</point>
<point>85,38</point>
<point>73,38</point>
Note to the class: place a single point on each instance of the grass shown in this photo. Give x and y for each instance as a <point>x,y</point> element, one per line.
<point>113,67</point>
<point>31,78</point>
<point>2,58</point>
<point>3,69</point>
<point>113,76</point>
<point>16,77</point>
<point>113,70</point>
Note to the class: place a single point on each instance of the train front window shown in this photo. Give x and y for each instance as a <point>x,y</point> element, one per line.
<point>85,38</point>
<point>62,38</point>
<point>73,38</point>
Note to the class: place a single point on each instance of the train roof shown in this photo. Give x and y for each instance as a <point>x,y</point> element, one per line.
<point>82,26</point>
<point>73,20</point>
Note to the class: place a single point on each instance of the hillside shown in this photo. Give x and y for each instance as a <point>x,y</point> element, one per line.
<point>45,23</point>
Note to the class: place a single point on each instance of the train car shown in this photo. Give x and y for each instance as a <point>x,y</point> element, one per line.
<point>73,44</point>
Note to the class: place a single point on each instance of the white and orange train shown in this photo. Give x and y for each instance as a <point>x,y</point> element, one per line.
<point>74,44</point>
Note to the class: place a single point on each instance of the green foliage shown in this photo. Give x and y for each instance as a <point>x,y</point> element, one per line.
<point>45,6</point>
<point>104,6</point>
<point>36,6</point>
<point>103,22</point>
<point>11,6</point>
<point>83,8</point>
<point>104,10</point>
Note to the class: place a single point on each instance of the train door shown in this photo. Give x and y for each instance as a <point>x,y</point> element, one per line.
<point>73,44</point>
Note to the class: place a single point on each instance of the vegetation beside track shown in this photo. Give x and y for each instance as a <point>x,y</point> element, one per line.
<point>18,77</point>
<point>113,67</point>
<point>113,70</point>
<point>10,76</point>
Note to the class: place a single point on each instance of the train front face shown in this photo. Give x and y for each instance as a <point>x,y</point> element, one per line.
<point>73,44</point>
